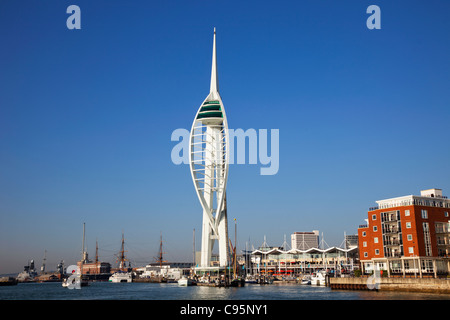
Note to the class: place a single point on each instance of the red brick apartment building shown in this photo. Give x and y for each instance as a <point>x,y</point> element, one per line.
<point>407,235</point>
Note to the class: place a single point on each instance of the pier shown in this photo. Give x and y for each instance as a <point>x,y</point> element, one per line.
<point>428,285</point>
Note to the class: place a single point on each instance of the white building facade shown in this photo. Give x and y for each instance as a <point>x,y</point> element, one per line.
<point>305,240</point>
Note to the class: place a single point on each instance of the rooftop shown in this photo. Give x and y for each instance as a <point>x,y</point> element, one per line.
<point>429,197</point>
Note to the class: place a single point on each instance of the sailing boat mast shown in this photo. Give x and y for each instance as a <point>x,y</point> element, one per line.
<point>235,247</point>
<point>193,247</point>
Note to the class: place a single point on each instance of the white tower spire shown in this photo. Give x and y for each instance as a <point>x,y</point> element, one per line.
<point>214,88</point>
<point>208,159</point>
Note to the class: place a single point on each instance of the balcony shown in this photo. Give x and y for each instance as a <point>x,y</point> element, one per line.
<point>441,229</point>
<point>390,216</point>
<point>394,242</point>
<point>393,255</point>
<point>391,230</point>
<point>442,242</point>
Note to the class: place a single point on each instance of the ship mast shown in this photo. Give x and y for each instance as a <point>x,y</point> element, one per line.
<point>122,258</point>
<point>82,242</point>
<point>96,252</point>
<point>83,252</point>
<point>160,255</point>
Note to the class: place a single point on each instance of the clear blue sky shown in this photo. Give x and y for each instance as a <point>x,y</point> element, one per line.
<point>86,118</point>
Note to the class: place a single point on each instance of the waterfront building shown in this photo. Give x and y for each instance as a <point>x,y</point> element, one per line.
<point>277,261</point>
<point>351,240</point>
<point>407,235</point>
<point>305,240</point>
<point>94,267</point>
<point>208,160</point>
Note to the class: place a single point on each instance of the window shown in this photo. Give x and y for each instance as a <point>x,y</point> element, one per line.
<point>375,229</point>
<point>406,213</point>
<point>424,214</point>
<point>446,213</point>
<point>365,254</point>
<point>409,237</point>
<point>408,225</point>
<point>411,250</point>
<point>375,240</point>
<point>374,217</point>
<point>377,252</point>
<point>364,234</point>
<point>364,244</point>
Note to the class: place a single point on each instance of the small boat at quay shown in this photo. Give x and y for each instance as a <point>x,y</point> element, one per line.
<point>250,279</point>
<point>185,281</point>
<point>318,278</point>
<point>306,279</point>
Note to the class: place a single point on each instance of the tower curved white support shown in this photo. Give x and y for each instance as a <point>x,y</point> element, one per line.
<point>208,160</point>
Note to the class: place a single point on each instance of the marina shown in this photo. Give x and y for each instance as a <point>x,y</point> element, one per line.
<point>104,290</point>
<point>333,268</point>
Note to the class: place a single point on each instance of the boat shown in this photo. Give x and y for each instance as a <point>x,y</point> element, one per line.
<point>238,282</point>
<point>318,278</point>
<point>250,279</point>
<point>28,274</point>
<point>123,274</point>
<point>67,282</point>
<point>265,280</point>
<point>306,279</point>
<point>185,281</point>
<point>121,277</point>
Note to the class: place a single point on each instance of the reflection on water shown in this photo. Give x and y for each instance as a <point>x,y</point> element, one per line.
<point>171,291</point>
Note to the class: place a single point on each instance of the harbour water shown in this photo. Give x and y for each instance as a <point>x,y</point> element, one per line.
<point>171,291</point>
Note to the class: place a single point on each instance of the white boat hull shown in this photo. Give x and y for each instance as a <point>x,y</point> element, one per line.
<point>184,282</point>
<point>318,279</point>
<point>120,277</point>
<point>317,282</point>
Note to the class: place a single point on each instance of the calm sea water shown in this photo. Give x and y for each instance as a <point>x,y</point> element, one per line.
<point>171,291</point>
